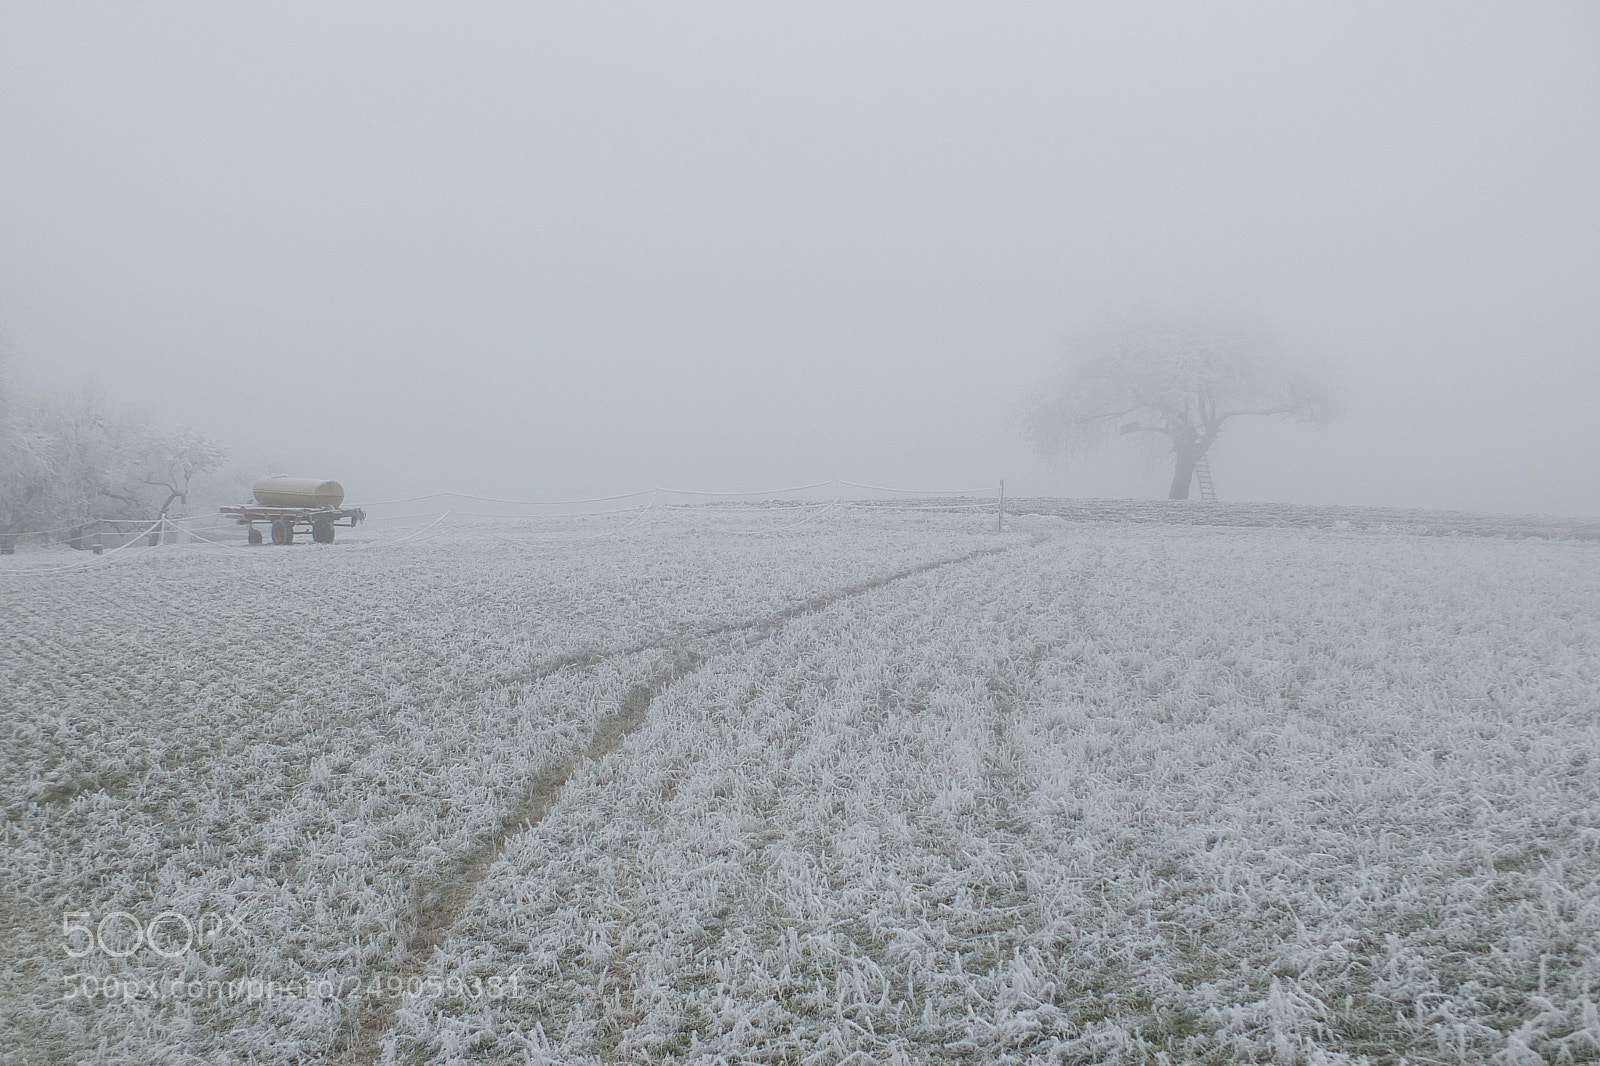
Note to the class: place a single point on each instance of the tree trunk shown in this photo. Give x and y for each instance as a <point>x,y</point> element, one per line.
<point>1183,462</point>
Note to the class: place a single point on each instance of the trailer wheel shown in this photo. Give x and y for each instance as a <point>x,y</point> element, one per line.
<point>254,536</point>
<point>282,531</point>
<point>322,530</point>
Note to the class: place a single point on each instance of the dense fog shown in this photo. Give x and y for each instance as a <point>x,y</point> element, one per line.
<point>517,250</point>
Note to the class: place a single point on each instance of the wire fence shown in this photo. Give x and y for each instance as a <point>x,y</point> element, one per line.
<point>523,522</point>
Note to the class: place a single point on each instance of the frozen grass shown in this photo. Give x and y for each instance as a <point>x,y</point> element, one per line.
<point>1113,794</point>
<point>1218,796</point>
<point>321,741</point>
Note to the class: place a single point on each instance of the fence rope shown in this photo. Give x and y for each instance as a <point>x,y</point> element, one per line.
<point>919,492</point>
<point>582,538</point>
<point>681,516</point>
<point>90,564</point>
<point>371,545</point>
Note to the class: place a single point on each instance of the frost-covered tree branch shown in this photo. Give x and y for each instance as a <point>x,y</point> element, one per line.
<point>173,458</point>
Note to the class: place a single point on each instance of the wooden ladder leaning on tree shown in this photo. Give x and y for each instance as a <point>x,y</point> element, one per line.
<point>1202,477</point>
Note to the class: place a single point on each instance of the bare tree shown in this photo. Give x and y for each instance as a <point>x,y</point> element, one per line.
<point>1177,380</point>
<point>72,461</point>
<point>172,459</point>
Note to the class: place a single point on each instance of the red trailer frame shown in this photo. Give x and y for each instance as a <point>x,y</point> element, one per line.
<point>284,522</point>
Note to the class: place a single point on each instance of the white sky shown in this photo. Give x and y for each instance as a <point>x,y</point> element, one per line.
<point>514,249</point>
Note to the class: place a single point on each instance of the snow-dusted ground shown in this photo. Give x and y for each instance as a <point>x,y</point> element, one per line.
<point>884,783</point>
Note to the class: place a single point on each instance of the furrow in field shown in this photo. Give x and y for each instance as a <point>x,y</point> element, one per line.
<point>446,905</point>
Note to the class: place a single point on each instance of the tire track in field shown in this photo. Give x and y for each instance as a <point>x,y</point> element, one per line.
<point>364,1043</point>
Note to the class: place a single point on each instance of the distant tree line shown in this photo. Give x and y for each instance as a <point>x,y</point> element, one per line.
<point>71,461</point>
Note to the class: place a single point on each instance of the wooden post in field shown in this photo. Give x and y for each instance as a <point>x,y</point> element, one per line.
<point>1000,515</point>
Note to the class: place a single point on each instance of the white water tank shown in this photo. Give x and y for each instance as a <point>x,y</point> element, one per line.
<point>297,492</point>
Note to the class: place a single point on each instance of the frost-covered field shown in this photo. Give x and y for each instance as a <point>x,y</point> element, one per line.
<point>887,785</point>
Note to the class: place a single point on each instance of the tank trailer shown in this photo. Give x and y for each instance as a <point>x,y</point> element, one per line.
<point>285,505</point>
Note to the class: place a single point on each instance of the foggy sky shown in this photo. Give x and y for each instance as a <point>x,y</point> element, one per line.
<point>528,250</point>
